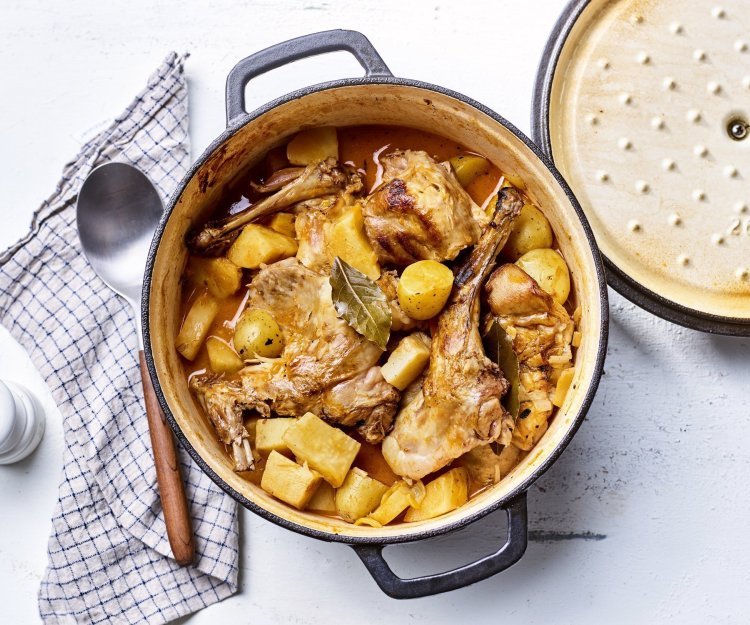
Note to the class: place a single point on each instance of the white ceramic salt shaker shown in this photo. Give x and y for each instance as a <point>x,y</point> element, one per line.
<point>21,423</point>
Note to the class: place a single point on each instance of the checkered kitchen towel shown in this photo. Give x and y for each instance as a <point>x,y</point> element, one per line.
<point>109,558</point>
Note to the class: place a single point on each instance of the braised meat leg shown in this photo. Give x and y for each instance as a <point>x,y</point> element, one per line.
<point>541,332</point>
<point>459,406</point>
<point>316,180</point>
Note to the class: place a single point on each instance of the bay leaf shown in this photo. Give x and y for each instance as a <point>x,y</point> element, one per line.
<point>360,302</point>
<point>499,348</point>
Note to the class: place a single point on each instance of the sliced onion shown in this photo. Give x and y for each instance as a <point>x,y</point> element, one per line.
<point>416,494</point>
<point>366,520</point>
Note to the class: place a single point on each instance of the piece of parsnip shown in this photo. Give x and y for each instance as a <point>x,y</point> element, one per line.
<point>443,494</point>
<point>347,239</point>
<point>563,385</point>
<point>397,499</point>
<point>221,357</point>
<point>313,145</point>
<point>407,361</point>
<point>258,245</point>
<point>358,495</point>
<point>283,223</point>
<point>325,448</point>
<point>286,480</point>
<point>269,434</point>
<point>196,325</point>
<point>219,275</point>
<point>323,500</point>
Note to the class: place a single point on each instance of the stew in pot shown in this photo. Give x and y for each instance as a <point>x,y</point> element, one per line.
<point>377,323</point>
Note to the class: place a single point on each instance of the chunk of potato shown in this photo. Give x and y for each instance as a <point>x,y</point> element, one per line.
<point>358,495</point>
<point>313,145</point>
<point>468,167</point>
<point>269,434</point>
<point>257,334</point>
<point>283,223</point>
<point>221,357</point>
<point>347,239</point>
<point>445,493</point>
<point>407,361</point>
<point>258,245</point>
<point>220,275</point>
<point>424,288</point>
<point>323,500</point>
<point>395,500</point>
<point>550,271</point>
<point>326,449</point>
<point>196,325</point>
<point>531,231</point>
<point>563,385</point>
<point>286,480</point>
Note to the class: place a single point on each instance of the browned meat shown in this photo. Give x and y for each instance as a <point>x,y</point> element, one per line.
<point>420,211</point>
<point>541,331</point>
<point>316,180</point>
<point>459,406</point>
<point>326,367</point>
<point>225,403</point>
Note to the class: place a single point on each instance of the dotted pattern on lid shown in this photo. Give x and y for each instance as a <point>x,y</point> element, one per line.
<point>648,122</point>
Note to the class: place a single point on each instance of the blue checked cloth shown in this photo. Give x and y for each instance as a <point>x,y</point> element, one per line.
<point>109,558</point>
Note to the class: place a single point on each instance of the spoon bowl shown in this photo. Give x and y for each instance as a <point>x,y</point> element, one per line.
<point>118,211</point>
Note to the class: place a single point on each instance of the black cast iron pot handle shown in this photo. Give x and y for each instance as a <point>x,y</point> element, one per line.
<point>399,588</point>
<point>293,50</point>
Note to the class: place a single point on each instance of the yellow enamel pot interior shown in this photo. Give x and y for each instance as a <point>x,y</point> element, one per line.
<point>642,104</point>
<point>373,103</point>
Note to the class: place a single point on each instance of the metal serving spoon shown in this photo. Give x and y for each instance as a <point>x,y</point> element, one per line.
<point>117,213</point>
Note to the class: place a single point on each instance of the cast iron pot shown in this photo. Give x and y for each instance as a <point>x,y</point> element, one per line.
<point>376,98</point>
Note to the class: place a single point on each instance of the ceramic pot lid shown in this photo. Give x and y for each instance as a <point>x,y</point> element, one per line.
<point>644,108</point>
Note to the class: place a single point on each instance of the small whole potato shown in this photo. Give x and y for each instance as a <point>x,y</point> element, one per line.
<point>257,334</point>
<point>531,231</point>
<point>550,271</point>
<point>468,167</point>
<point>423,289</point>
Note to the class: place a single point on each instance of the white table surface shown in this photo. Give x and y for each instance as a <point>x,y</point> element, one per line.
<point>643,519</point>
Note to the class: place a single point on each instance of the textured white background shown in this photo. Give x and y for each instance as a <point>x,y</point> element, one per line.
<point>655,480</point>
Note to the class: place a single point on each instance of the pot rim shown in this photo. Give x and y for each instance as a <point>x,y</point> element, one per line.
<point>618,279</point>
<point>523,485</point>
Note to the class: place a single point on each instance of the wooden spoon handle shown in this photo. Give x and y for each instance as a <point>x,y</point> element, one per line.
<point>171,490</point>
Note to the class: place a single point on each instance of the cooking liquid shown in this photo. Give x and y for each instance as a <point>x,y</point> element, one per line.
<point>359,145</point>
